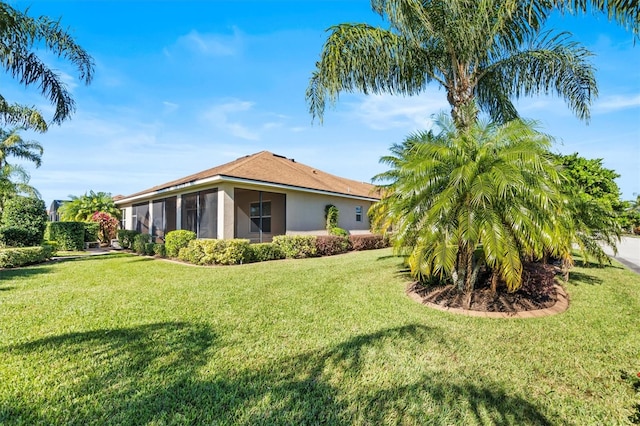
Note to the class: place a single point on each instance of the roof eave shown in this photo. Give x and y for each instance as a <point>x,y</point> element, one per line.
<point>222,179</point>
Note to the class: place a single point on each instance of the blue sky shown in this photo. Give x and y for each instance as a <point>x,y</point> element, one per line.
<point>184,86</point>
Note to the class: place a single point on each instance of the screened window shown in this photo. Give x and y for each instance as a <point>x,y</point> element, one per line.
<point>358,213</point>
<point>140,218</point>
<point>200,213</point>
<point>164,217</point>
<point>260,214</point>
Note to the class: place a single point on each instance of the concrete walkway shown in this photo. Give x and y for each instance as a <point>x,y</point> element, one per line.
<point>628,253</point>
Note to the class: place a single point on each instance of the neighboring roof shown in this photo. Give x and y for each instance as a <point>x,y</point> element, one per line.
<point>268,168</point>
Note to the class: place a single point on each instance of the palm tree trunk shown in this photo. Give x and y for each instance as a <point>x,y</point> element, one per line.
<point>494,282</point>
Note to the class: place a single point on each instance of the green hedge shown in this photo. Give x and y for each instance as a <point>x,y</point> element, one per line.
<point>263,252</point>
<point>21,256</point>
<point>176,240</point>
<point>28,214</point>
<point>142,244</point>
<point>91,231</point>
<point>126,237</point>
<point>296,246</point>
<point>68,235</point>
<point>221,252</point>
<point>159,250</point>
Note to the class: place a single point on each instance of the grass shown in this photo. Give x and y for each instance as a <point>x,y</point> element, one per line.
<point>119,339</point>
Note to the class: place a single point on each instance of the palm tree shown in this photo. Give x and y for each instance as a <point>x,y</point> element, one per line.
<point>12,145</point>
<point>20,38</point>
<point>14,179</point>
<point>483,53</point>
<point>625,12</point>
<point>83,207</point>
<point>459,201</point>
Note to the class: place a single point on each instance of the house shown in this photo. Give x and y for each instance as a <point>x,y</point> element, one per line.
<point>254,197</point>
<point>53,214</point>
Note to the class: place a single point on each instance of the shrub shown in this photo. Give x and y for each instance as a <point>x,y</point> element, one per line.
<point>21,256</point>
<point>29,214</point>
<point>176,240</point>
<point>126,237</point>
<point>149,249</point>
<point>330,245</point>
<point>159,250</point>
<point>368,242</point>
<point>67,235</point>
<point>91,231</point>
<point>212,251</point>
<point>107,226</point>
<point>331,215</point>
<point>140,242</point>
<point>13,236</point>
<point>192,253</point>
<point>234,252</point>
<point>296,246</point>
<point>263,252</point>
<point>338,232</point>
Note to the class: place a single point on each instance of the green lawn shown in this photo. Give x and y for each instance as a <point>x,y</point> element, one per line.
<point>119,339</point>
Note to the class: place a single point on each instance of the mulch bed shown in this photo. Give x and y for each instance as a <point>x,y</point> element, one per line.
<point>482,300</point>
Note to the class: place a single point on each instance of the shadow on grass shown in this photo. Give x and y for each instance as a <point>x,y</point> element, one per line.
<point>578,278</point>
<point>171,373</point>
<point>82,258</point>
<point>16,274</point>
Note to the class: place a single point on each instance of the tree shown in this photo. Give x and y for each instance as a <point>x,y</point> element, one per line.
<point>21,36</point>
<point>14,179</point>
<point>482,52</point>
<point>459,201</point>
<point>24,220</point>
<point>593,198</point>
<point>108,226</point>
<point>82,208</point>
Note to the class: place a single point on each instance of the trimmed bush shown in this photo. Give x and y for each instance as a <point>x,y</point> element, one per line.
<point>140,242</point>
<point>212,251</point>
<point>13,236</point>
<point>159,250</point>
<point>296,246</point>
<point>329,245</point>
<point>368,242</point>
<point>67,235</point>
<point>22,256</point>
<point>235,252</point>
<point>338,232</point>
<point>126,237</point>
<point>176,240</point>
<point>263,252</point>
<point>91,231</point>
<point>26,213</point>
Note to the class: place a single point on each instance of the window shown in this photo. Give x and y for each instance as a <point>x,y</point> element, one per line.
<point>141,218</point>
<point>260,217</point>
<point>123,218</point>
<point>358,213</point>
<point>200,213</point>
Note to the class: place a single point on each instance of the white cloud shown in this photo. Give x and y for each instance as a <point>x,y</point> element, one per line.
<point>381,112</point>
<point>616,103</point>
<point>208,44</point>
<point>219,116</point>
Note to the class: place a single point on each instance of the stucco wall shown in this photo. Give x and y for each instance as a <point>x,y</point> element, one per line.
<point>305,213</point>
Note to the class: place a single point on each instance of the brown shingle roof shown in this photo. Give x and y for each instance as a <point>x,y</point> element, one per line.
<point>266,167</point>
